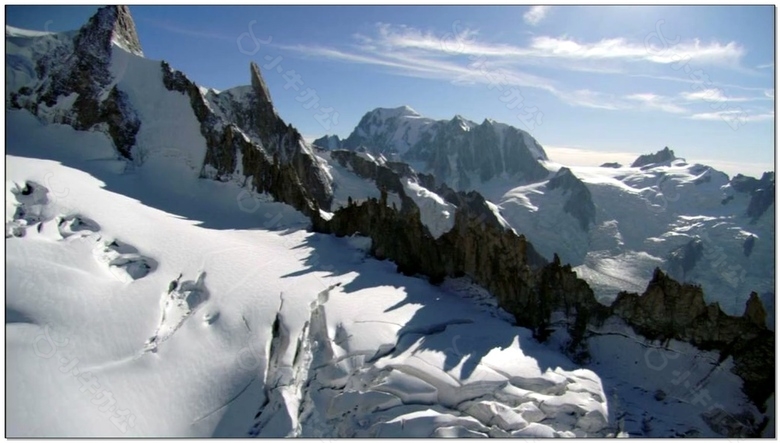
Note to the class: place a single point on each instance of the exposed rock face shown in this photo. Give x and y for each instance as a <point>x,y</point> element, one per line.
<point>579,203</point>
<point>755,311</point>
<point>455,151</point>
<point>670,310</point>
<point>762,197</point>
<point>762,192</point>
<point>614,165</point>
<point>683,259</point>
<point>225,142</point>
<point>663,156</point>
<point>331,142</point>
<point>82,68</point>
<point>747,247</point>
<point>124,33</point>
<point>254,114</point>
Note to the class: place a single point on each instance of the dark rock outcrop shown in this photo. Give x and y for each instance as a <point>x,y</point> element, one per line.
<point>683,259</point>
<point>83,69</point>
<point>762,197</point>
<point>747,247</point>
<point>762,192</point>
<point>614,165</point>
<point>330,142</point>
<point>670,310</point>
<point>663,156</point>
<point>224,142</point>
<point>579,203</point>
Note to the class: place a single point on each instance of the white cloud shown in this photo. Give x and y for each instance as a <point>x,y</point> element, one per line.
<point>716,95</point>
<point>583,156</point>
<point>621,49</point>
<point>649,101</point>
<point>734,115</point>
<point>579,156</point>
<point>462,58</point>
<point>536,14</point>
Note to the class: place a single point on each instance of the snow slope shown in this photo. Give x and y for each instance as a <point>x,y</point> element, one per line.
<point>144,301</point>
<point>118,304</point>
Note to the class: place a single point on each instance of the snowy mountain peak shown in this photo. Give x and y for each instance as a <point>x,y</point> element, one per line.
<point>112,24</point>
<point>458,152</point>
<point>401,111</point>
<point>665,155</point>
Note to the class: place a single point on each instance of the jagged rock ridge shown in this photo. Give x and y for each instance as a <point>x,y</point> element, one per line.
<point>81,67</point>
<point>663,156</point>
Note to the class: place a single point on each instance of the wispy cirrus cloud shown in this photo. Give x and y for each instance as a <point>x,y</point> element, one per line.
<point>734,114</point>
<point>536,14</point>
<point>621,49</point>
<point>463,58</point>
<point>718,95</point>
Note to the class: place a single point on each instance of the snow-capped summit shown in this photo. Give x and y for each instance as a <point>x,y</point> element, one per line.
<point>458,152</point>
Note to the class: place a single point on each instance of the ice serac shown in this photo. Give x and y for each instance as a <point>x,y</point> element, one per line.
<point>458,152</point>
<point>665,155</point>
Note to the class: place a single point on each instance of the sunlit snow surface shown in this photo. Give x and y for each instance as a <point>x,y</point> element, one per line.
<point>143,301</point>
<point>239,320</point>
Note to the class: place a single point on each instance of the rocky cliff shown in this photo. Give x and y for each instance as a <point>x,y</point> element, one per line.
<point>579,202</point>
<point>78,70</point>
<point>665,155</point>
<point>225,141</point>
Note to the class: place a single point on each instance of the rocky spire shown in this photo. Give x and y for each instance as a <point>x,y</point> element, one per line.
<point>110,24</point>
<point>124,30</point>
<point>755,311</point>
<point>259,86</point>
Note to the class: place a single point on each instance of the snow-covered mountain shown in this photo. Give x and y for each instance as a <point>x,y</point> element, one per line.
<point>170,272</point>
<point>457,152</point>
<point>615,224</point>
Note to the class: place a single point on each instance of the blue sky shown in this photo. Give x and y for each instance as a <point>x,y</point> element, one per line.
<point>591,84</point>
